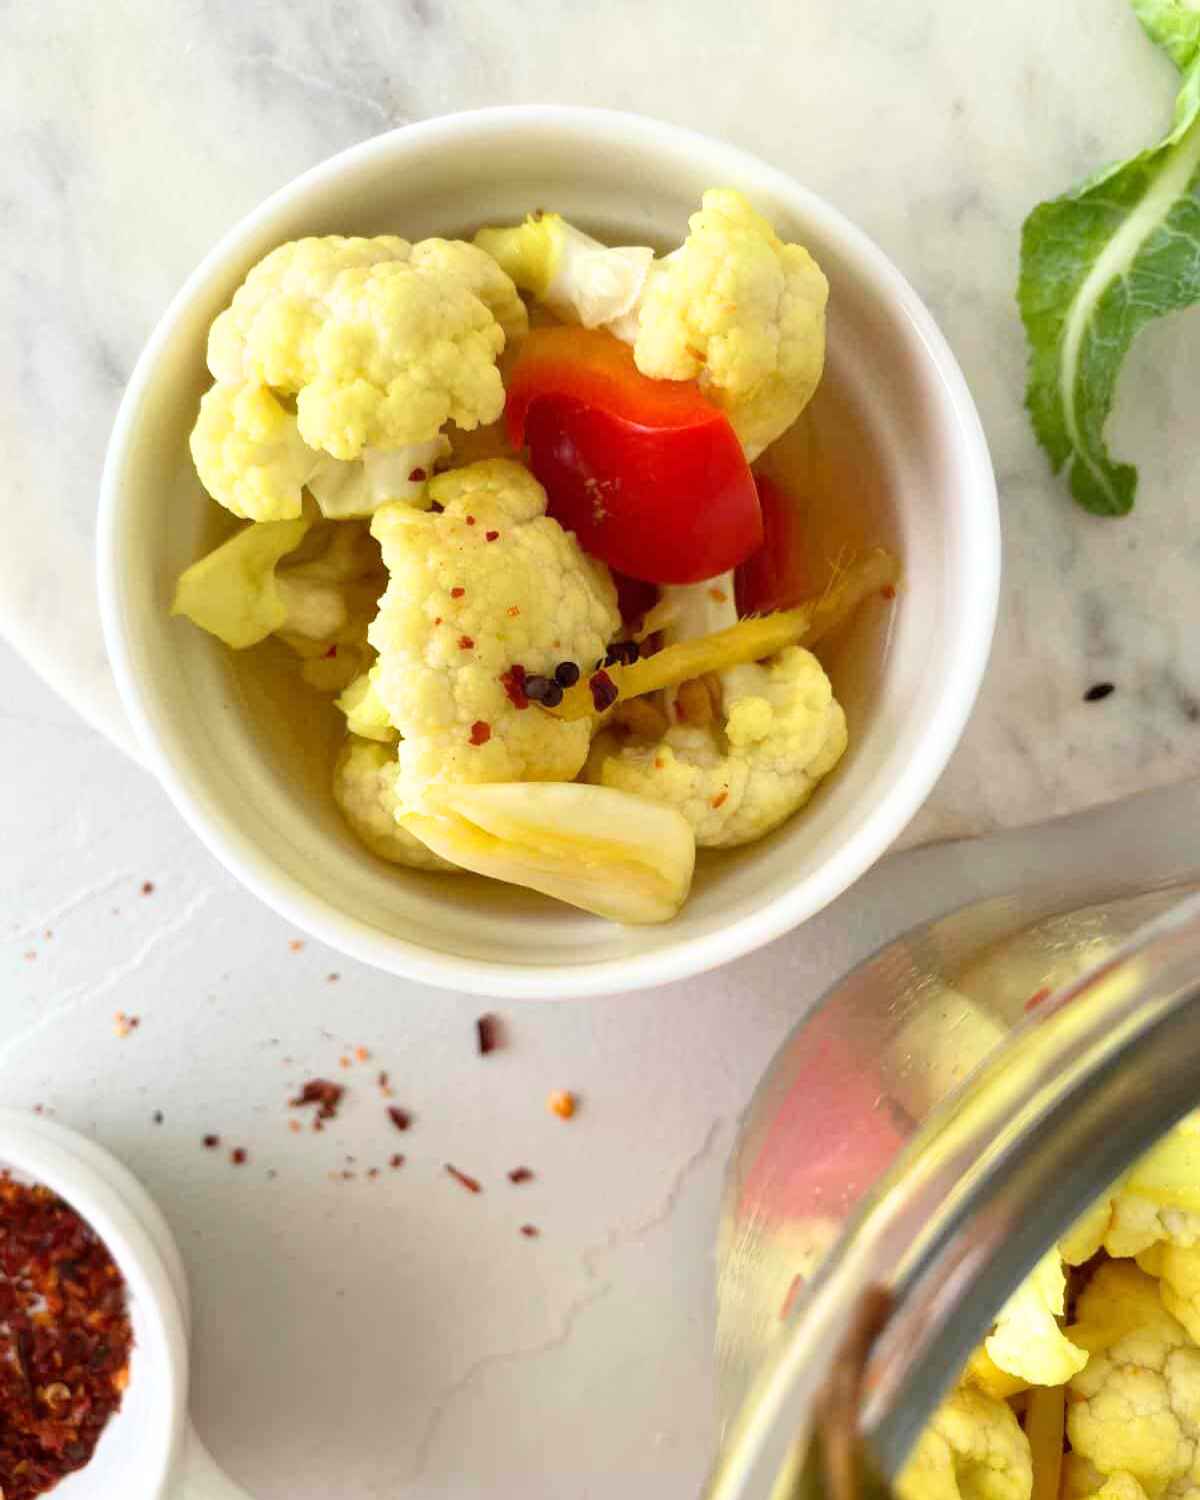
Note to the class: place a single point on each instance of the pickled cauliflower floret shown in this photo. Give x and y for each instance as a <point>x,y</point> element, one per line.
<point>378,344</point>
<point>1156,1202</point>
<point>736,778</point>
<point>742,312</point>
<point>489,584</point>
<point>972,1449</point>
<point>734,307</point>
<point>1027,1341</point>
<point>364,788</point>
<point>1082,1481</point>
<point>1135,1407</point>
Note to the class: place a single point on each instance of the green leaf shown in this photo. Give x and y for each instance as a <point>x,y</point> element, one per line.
<point>1097,265</point>
<point>1173,25</point>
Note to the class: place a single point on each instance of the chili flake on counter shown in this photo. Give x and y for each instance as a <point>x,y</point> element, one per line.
<point>65,1340</point>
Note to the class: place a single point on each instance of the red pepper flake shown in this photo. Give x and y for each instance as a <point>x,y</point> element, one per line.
<point>400,1118</point>
<point>332,978</point>
<point>65,1340</point>
<point>465,643</point>
<point>457,593</point>
<point>470,520</point>
<point>438,621</point>
<point>471,1184</point>
<point>659,763</point>
<point>604,691</point>
<point>789,1301</point>
<point>719,596</point>
<point>330,654</point>
<point>417,476</point>
<point>513,611</point>
<point>296,945</point>
<point>481,732</point>
<point>491,536</point>
<point>362,1055</point>
<point>372,1173</point>
<point>343,1062</point>
<point>888,591</point>
<point>123,1025</point>
<point>396,1162</point>
<point>327,1096</point>
<point>147,887</point>
<point>211,1142</point>
<point>513,682</point>
<point>1037,997</point>
<point>295,1127</point>
<point>518,1175</point>
<point>562,1103</point>
<point>238,1156</point>
<point>530,1231</point>
<point>489,1033</point>
<point>720,799</point>
<point>385,1086</point>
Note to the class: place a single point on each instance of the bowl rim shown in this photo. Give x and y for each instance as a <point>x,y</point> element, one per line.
<point>967,653</point>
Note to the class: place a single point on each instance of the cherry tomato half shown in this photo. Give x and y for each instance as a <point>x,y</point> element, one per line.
<point>648,474</point>
<point>776,576</point>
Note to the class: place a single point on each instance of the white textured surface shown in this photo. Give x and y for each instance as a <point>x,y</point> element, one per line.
<point>368,1339</point>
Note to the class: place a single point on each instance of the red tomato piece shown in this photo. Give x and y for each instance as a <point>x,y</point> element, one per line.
<point>776,576</point>
<point>648,474</point>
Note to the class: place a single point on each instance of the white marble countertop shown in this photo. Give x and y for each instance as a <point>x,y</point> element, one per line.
<point>372,1338</point>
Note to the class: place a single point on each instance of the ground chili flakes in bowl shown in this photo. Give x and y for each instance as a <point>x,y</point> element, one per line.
<point>65,1339</point>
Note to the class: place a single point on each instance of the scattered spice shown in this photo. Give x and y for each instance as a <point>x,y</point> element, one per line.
<point>465,643</point>
<point>718,596</point>
<point>123,1025</point>
<point>621,654</point>
<point>513,682</point>
<point>720,799</point>
<point>396,1162</point>
<point>530,1231</point>
<point>604,691</point>
<point>400,1118</point>
<point>331,654</point>
<point>519,1175</point>
<point>361,1054</point>
<point>417,476</point>
<point>372,1173</point>
<point>513,611</point>
<point>566,674</point>
<point>296,945</point>
<point>457,593</point>
<point>481,732</point>
<point>489,1034</point>
<point>470,520</point>
<point>295,1126</point>
<point>343,1061</point>
<point>157,1117</point>
<point>385,1085</point>
<point>562,1103</point>
<point>888,591</point>
<point>1099,691</point>
<point>65,1339</point>
<point>147,887</point>
<point>326,1095</point>
<point>211,1142</point>
<point>491,536</point>
<point>471,1184</point>
<point>238,1156</point>
<point>332,978</point>
<point>29,956</point>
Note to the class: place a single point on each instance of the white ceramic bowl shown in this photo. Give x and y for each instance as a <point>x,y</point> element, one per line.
<point>911,451</point>
<point>148,1451</point>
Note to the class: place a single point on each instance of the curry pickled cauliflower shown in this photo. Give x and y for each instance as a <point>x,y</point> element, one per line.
<point>487,584</point>
<point>972,1449</point>
<point>378,342</point>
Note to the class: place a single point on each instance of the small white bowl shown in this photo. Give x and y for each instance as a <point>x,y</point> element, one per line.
<point>148,1450</point>
<point>913,453</point>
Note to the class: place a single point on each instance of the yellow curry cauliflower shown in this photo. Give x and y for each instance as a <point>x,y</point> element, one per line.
<point>1135,1407</point>
<point>1156,1202</point>
<point>364,788</point>
<point>972,1449</point>
<point>1083,1481</point>
<point>488,583</point>
<point>1027,1340</point>
<point>376,342</point>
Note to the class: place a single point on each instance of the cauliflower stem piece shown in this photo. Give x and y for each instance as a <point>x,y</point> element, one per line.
<point>616,855</point>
